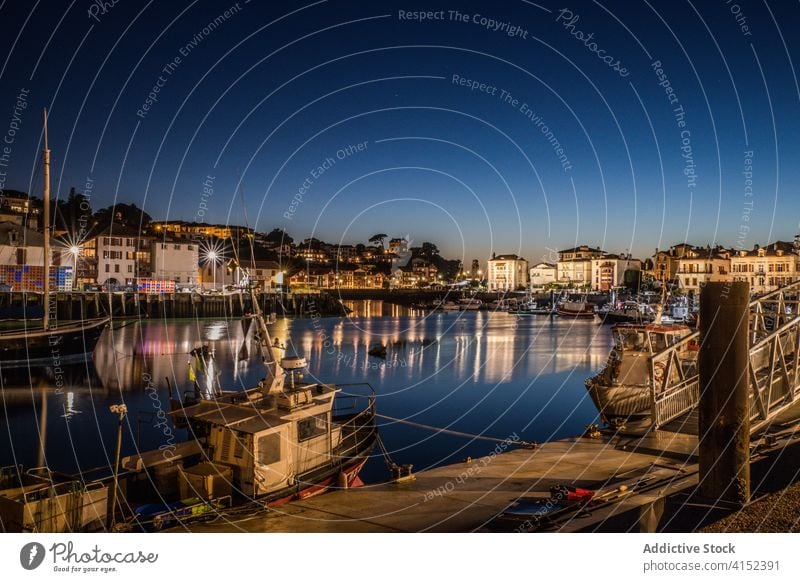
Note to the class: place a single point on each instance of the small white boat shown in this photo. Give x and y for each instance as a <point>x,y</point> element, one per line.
<point>469,304</point>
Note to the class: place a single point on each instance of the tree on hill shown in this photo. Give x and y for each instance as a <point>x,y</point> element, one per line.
<point>279,236</point>
<point>73,214</point>
<point>377,239</point>
<point>429,250</point>
<point>125,214</point>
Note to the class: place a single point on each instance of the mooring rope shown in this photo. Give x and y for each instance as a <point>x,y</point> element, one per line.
<point>458,433</point>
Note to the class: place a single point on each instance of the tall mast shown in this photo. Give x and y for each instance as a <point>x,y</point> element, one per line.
<point>46,230</point>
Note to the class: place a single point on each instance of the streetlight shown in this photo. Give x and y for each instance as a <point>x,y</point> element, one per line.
<point>75,250</point>
<point>212,257</point>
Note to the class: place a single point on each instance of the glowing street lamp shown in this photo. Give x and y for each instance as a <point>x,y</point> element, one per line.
<point>212,256</point>
<point>74,250</point>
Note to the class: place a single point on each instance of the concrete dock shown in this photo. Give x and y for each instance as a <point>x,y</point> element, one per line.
<point>654,465</point>
<point>467,496</point>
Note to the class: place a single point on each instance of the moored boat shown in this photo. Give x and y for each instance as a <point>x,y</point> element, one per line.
<point>470,304</point>
<point>280,441</point>
<point>49,343</point>
<point>575,309</point>
<point>627,312</point>
<point>645,361</point>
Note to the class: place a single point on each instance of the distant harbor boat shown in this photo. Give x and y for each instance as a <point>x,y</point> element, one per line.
<point>47,344</point>
<point>575,309</point>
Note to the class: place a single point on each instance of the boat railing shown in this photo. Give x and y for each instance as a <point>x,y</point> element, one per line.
<point>359,427</point>
<point>346,401</point>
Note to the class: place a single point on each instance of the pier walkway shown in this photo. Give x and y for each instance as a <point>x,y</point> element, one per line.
<point>467,496</point>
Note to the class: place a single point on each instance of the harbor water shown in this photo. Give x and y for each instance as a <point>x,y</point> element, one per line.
<point>476,372</point>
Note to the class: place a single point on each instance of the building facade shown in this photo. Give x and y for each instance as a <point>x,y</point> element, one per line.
<point>575,265</point>
<point>767,268</point>
<point>665,263</point>
<point>174,260</point>
<point>542,275</point>
<point>115,250</point>
<point>609,271</point>
<point>699,266</point>
<point>507,273</point>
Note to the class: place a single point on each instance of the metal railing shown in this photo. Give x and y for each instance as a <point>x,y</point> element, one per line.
<point>773,366</point>
<point>673,391</point>
<point>359,428</point>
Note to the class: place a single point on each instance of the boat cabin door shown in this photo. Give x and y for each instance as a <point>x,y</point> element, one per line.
<point>273,467</point>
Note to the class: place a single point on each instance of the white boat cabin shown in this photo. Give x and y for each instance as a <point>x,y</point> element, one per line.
<point>269,439</point>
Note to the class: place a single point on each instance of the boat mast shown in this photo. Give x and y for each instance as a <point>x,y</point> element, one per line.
<point>46,230</point>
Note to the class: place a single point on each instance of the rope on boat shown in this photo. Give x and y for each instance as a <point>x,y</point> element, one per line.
<point>458,433</point>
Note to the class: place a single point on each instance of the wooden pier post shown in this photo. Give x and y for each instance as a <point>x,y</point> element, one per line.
<point>724,412</point>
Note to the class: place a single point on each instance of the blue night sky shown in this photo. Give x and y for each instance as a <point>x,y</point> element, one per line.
<point>278,95</point>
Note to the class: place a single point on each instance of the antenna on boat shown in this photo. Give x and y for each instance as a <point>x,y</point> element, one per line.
<point>275,373</point>
<point>46,230</point>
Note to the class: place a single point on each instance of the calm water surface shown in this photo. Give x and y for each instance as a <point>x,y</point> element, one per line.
<point>474,372</point>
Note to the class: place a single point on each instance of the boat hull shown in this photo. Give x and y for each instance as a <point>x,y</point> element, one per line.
<point>341,478</point>
<point>623,402</point>
<point>575,314</point>
<point>66,344</point>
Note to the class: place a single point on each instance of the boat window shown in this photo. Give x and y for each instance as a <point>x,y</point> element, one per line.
<point>314,426</point>
<point>269,449</point>
<point>632,340</point>
<point>658,341</point>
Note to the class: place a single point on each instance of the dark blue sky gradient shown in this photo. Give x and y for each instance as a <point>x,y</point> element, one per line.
<point>268,103</point>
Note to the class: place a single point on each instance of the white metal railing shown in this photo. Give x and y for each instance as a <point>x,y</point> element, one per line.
<point>773,366</point>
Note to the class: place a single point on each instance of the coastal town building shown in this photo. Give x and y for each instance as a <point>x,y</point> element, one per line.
<point>610,271</point>
<point>542,275</point>
<point>264,275</point>
<point>767,268</point>
<point>664,263</point>
<point>197,230</point>
<point>699,266</point>
<point>507,272</point>
<point>115,255</point>
<point>22,261</point>
<point>575,265</point>
<point>425,271</point>
<point>17,207</point>
<point>20,245</point>
<point>174,260</point>
<point>342,278</point>
<point>405,278</point>
<point>398,246</point>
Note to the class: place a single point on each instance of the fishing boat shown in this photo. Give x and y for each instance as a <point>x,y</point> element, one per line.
<point>575,309</point>
<point>533,308</point>
<point>627,312</point>
<point>280,441</point>
<point>49,343</point>
<point>646,359</point>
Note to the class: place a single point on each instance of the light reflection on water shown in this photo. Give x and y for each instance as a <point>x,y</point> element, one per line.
<point>475,372</point>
